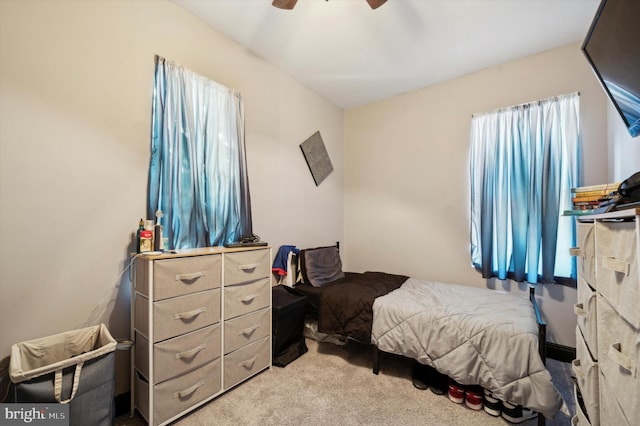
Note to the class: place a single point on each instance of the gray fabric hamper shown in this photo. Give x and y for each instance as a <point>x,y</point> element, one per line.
<point>75,368</point>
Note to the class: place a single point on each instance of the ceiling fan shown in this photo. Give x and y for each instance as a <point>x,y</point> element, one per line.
<point>290,4</point>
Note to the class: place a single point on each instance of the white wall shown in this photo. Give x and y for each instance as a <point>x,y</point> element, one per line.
<point>624,151</point>
<point>76,84</point>
<point>407,172</point>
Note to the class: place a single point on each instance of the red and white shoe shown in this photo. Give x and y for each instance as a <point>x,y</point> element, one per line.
<point>456,392</point>
<point>473,397</point>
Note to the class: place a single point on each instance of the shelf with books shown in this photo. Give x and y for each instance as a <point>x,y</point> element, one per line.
<point>606,187</point>
<point>588,199</point>
<point>579,212</point>
<point>591,198</point>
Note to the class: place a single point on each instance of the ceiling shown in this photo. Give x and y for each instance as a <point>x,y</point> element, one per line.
<point>353,55</point>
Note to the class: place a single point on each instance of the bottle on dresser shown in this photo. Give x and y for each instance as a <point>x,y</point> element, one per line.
<point>145,236</point>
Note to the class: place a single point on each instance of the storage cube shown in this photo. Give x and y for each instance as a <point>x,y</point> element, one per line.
<point>289,311</point>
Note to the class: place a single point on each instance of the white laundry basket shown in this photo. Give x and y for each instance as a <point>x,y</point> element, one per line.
<point>75,368</point>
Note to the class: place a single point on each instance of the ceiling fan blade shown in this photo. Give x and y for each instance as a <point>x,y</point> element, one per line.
<point>284,4</point>
<point>376,3</point>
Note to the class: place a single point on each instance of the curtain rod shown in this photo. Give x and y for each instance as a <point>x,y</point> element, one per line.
<point>157,58</point>
<point>527,104</point>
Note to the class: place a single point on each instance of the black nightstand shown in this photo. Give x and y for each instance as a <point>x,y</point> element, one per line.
<point>288,314</point>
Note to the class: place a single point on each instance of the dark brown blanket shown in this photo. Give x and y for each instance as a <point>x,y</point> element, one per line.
<point>346,306</point>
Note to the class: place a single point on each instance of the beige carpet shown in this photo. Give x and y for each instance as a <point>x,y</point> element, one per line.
<point>334,385</point>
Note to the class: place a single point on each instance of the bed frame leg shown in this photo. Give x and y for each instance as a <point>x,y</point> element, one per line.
<point>376,359</point>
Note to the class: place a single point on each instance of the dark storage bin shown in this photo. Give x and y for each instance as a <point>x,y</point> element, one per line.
<point>288,324</point>
<point>75,368</point>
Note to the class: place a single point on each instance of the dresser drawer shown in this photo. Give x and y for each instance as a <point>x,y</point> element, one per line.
<point>581,418</point>
<point>585,369</point>
<point>585,252</point>
<point>619,360</point>
<point>175,356</point>
<point>246,329</point>
<point>586,310</point>
<point>247,361</point>
<point>243,266</point>
<point>618,281</point>
<point>178,315</point>
<point>173,396</point>
<point>175,277</point>
<point>610,411</point>
<point>244,298</point>
<point>178,276</point>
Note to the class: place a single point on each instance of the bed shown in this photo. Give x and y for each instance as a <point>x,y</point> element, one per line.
<point>473,335</point>
<point>344,307</point>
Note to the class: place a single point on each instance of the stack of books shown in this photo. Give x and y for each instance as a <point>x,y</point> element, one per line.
<point>592,199</point>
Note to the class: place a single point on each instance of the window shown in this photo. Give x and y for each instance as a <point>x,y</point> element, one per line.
<point>198,174</point>
<point>524,162</point>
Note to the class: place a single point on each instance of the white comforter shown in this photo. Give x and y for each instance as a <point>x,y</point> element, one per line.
<point>473,335</point>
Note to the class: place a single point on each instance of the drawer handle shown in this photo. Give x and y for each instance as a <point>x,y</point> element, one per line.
<point>615,265</point>
<point>190,315</point>
<point>579,310</point>
<point>248,299</point>
<point>621,359</point>
<point>248,364</point>
<point>191,277</point>
<point>188,391</point>
<point>249,266</point>
<point>247,332</point>
<point>191,352</point>
<point>576,368</point>
<point>576,252</point>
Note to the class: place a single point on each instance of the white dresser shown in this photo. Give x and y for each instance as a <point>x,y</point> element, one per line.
<point>201,320</point>
<point>607,364</point>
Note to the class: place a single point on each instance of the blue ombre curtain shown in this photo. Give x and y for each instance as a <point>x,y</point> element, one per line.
<point>197,175</point>
<point>524,162</point>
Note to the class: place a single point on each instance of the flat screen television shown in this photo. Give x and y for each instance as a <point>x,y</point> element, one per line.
<point>612,47</point>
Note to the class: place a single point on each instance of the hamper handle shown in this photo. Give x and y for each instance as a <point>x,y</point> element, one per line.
<point>188,391</point>
<point>57,390</point>
<point>190,315</point>
<point>191,277</point>
<point>191,352</point>
<point>621,359</point>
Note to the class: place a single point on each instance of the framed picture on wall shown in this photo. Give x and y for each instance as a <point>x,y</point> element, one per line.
<point>317,157</point>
